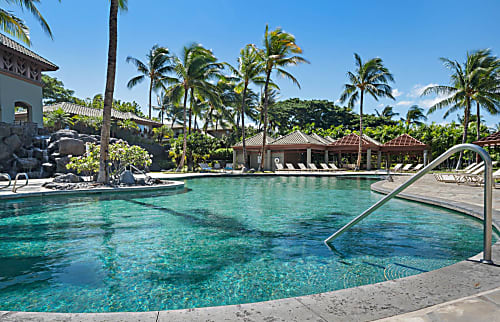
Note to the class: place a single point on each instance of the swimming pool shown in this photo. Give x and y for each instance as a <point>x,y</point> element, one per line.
<point>218,241</point>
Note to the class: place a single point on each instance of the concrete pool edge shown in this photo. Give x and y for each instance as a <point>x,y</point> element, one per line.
<point>367,302</point>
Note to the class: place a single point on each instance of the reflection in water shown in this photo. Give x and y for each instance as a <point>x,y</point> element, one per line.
<point>218,241</point>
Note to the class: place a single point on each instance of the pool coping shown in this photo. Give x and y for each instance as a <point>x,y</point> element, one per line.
<point>363,303</point>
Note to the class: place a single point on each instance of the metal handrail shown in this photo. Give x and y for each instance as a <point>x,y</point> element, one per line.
<point>6,176</point>
<point>22,174</point>
<point>488,194</point>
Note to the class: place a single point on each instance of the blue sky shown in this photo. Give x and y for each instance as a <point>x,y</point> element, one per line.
<point>409,36</point>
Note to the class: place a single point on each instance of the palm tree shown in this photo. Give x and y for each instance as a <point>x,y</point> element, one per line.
<point>103,176</point>
<point>415,115</point>
<point>371,77</point>
<point>387,112</point>
<point>280,51</point>
<point>13,25</point>
<point>157,66</point>
<point>249,70</point>
<point>467,84</point>
<point>193,71</point>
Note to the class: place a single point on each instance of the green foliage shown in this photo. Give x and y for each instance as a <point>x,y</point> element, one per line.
<point>53,91</point>
<point>222,154</point>
<point>90,122</point>
<point>162,133</point>
<point>57,119</point>
<point>121,155</point>
<point>199,147</point>
<point>128,125</point>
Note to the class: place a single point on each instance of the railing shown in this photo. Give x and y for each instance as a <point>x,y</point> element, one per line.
<point>488,191</point>
<point>14,187</point>
<point>6,176</point>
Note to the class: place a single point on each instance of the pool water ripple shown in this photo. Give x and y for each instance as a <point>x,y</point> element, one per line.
<point>218,241</point>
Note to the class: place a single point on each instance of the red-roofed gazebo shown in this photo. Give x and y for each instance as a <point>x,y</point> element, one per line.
<point>406,144</point>
<point>492,140</point>
<point>349,144</point>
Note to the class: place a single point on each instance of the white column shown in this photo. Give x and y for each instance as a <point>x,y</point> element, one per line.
<point>369,159</point>
<point>326,156</point>
<point>267,162</point>
<point>308,156</point>
<point>379,159</point>
<point>425,157</point>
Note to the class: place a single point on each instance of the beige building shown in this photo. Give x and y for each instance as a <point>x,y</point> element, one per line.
<point>21,81</point>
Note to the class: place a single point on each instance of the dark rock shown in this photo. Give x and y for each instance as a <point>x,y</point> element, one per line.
<point>13,142</point>
<point>4,131</point>
<point>87,138</point>
<point>141,181</point>
<point>63,134</point>
<point>16,129</point>
<point>68,178</point>
<point>69,146</point>
<point>53,147</point>
<point>61,164</point>
<point>27,163</point>
<point>48,167</point>
<point>5,152</point>
<point>127,177</point>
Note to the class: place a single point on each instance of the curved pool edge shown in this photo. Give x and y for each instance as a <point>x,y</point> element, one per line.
<point>363,303</point>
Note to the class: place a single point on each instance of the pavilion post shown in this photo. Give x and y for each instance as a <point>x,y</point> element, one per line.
<point>267,161</point>
<point>339,161</point>
<point>308,156</point>
<point>369,159</point>
<point>425,157</point>
<point>379,159</point>
<point>326,156</point>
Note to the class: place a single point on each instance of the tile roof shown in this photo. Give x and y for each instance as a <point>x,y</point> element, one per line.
<point>71,108</point>
<point>404,140</point>
<point>320,138</point>
<point>296,137</point>
<point>17,47</point>
<point>256,140</point>
<point>330,139</point>
<point>492,139</point>
<point>353,139</point>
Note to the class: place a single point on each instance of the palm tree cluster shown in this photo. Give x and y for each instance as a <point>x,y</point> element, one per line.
<point>476,80</point>
<point>202,87</point>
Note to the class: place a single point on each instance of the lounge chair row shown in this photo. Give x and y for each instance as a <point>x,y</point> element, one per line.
<point>471,176</point>
<point>408,167</point>
<point>310,167</point>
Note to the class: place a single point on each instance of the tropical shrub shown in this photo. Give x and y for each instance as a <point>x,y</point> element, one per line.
<point>199,147</point>
<point>57,119</point>
<point>121,155</point>
<point>162,133</point>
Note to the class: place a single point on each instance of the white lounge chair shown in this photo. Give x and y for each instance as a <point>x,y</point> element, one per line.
<point>302,166</point>
<point>334,167</point>
<point>418,167</point>
<point>407,167</point>
<point>474,168</point>
<point>313,167</point>
<point>290,167</point>
<point>204,167</point>
<point>279,167</point>
<point>397,167</point>
<point>470,166</point>
<point>325,167</point>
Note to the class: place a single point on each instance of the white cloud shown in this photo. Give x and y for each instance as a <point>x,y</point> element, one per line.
<point>418,89</point>
<point>405,103</point>
<point>396,93</point>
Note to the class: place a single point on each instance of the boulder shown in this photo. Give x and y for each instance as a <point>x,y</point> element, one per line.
<point>69,146</point>
<point>4,152</point>
<point>68,178</point>
<point>61,164</point>
<point>4,131</point>
<point>48,167</point>
<point>63,134</point>
<point>53,147</point>
<point>87,138</point>
<point>13,142</point>
<point>127,177</point>
<point>27,163</point>
<point>18,130</point>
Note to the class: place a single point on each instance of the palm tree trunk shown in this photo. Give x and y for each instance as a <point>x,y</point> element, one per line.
<point>264,133</point>
<point>184,139</point>
<point>243,125</point>
<point>190,110</point>
<point>466,130</point>
<point>360,146</point>
<point>478,135</point>
<point>103,176</point>
<point>150,93</point>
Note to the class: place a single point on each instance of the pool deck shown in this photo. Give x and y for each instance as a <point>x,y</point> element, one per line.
<point>465,291</point>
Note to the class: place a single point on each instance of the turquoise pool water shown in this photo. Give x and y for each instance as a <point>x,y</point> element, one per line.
<point>218,241</point>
